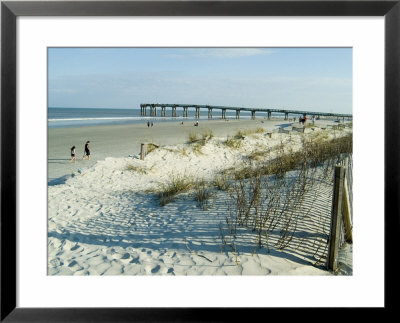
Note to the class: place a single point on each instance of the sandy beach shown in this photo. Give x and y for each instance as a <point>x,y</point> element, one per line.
<point>125,140</point>
<point>104,217</point>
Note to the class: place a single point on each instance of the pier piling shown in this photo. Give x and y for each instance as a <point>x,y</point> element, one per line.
<point>286,112</point>
<point>223,113</point>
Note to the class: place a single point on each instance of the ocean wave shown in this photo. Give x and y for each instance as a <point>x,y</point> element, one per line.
<point>136,118</point>
<point>91,118</point>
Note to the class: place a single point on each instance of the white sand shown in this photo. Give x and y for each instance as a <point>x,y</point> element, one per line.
<point>105,220</point>
<point>124,140</point>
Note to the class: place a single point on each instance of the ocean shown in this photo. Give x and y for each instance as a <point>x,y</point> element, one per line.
<point>82,117</point>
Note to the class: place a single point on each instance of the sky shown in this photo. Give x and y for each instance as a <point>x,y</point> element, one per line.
<point>312,79</point>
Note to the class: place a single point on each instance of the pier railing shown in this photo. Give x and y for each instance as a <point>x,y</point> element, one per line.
<point>159,109</point>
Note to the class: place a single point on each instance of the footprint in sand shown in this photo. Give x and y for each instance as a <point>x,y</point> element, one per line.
<point>125,256</point>
<point>72,264</point>
<point>75,266</point>
<point>155,269</point>
<point>56,262</point>
<point>121,256</point>
<point>135,261</point>
<point>74,247</point>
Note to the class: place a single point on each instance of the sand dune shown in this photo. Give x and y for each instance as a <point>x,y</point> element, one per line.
<point>106,219</point>
<point>124,140</point>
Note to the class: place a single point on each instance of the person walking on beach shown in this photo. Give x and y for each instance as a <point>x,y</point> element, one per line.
<point>152,123</point>
<point>73,157</point>
<point>87,151</point>
<point>148,124</point>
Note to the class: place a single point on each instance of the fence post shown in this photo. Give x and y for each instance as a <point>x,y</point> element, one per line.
<point>142,151</point>
<point>336,219</point>
<point>347,213</point>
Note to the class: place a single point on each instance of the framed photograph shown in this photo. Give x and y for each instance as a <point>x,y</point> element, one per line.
<point>186,160</point>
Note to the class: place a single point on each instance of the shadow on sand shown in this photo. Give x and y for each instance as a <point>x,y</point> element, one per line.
<point>141,222</point>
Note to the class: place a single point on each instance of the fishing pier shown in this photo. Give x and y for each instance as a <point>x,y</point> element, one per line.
<point>159,109</point>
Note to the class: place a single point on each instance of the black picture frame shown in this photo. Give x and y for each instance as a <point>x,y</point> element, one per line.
<point>10,10</point>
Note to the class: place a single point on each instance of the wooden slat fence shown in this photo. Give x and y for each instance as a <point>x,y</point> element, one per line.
<point>342,210</point>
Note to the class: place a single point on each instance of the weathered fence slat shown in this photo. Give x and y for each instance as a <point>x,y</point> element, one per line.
<point>336,221</point>
<point>347,213</point>
<point>143,151</point>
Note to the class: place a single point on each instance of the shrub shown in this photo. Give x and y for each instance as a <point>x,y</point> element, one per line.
<point>138,169</point>
<point>208,135</point>
<point>221,182</point>
<point>203,194</point>
<point>183,151</point>
<point>193,137</point>
<point>197,147</point>
<point>177,184</point>
<point>260,130</point>
<point>239,134</point>
<point>258,155</point>
<point>268,201</point>
<point>151,147</point>
<point>233,142</point>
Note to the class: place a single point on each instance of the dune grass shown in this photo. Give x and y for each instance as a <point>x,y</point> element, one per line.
<point>193,137</point>
<point>138,169</point>
<point>221,182</point>
<point>203,194</point>
<point>315,150</point>
<point>176,185</point>
<point>233,142</point>
<point>266,197</point>
<point>236,140</point>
